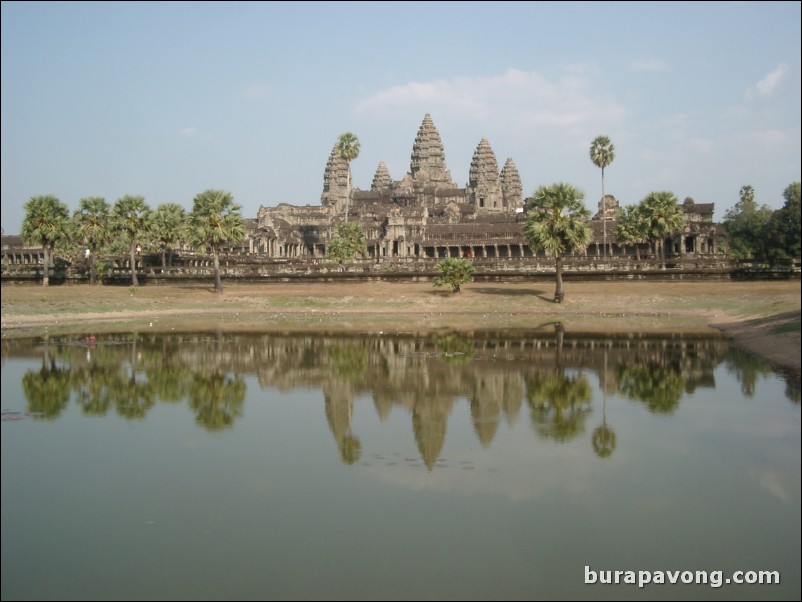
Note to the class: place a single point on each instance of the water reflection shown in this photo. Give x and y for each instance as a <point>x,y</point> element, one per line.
<point>466,461</point>
<point>494,372</point>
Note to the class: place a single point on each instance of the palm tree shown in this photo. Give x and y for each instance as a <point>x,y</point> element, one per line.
<point>47,222</point>
<point>215,222</point>
<point>348,149</point>
<point>630,228</point>
<point>602,153</point>
<point>662,216</point>
<point>558,223</point>
<point>168,227</point>
<point>92,220</point>
<point>129,218</point>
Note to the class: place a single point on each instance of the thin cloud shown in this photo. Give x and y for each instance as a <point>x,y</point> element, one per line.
<point>257,91</point>
<point>768,86</point>
<point>523,97</point>
<point>189,131</point>
<point>647,65</point>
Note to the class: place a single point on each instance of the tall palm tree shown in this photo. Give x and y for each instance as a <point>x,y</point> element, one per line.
<point>168,225</point>
<point>602,153</point>
<point>47,222</point>
<point>129,219</point>
<point>558,223</point>
<point>92,220</point>
<point>215,222</point>
<point>662,216</point>
<point>348,149</point>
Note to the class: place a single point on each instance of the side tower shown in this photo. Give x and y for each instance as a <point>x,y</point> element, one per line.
<point>335,181</point>
<point>484,186</point>
<point>381,179</point>
<point>511,189</point>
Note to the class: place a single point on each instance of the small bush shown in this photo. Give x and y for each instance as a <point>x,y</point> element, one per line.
<point>454,273</point>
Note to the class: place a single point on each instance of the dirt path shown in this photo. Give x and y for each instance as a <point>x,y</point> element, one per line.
<point>762,317</point>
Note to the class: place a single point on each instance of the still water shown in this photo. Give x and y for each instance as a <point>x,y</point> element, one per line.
<point>493,466</point>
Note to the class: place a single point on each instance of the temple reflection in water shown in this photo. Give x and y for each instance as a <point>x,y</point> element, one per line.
<point>496,373</point>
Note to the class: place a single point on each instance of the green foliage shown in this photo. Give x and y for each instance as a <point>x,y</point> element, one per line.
<point>662,217</point>
<point>631,227</point>
<point>129,221</point>
<point>747,226</point>
<point>348,146</point>
<point>602,152</point>
<point>46,224</point>
<point>454,272</point>
<point>168,227</point>
<point>348,149</point>
<point>558,223</point>
<point>348,242</point>
<point>129,218</point>
<point>761,234</point>
<point>215,222</point>
<point>92,223</point>
<point>46,221</point>
<point>785,227</point>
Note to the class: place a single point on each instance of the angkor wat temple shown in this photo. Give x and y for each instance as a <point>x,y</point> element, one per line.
<point>412,221</point>
<point>427,215</point>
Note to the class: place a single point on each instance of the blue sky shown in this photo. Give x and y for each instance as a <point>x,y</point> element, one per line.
<point>166,100</point>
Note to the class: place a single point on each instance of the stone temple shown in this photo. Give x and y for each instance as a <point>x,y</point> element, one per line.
<point>426,214</point>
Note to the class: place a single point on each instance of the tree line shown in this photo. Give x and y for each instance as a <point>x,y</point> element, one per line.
<point>124,227</point>
<point>762,234</point>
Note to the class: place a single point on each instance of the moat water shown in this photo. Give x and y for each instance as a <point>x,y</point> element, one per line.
<point>495,466</point>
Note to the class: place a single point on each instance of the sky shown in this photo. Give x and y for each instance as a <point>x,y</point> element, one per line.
<point>166,100</point>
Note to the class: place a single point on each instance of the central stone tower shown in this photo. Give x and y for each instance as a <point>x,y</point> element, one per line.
<point>428,166</point>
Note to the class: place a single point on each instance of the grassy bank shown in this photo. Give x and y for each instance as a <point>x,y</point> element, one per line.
<point>770,309</point>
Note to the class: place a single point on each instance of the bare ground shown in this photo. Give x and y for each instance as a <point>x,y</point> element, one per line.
<point>762,317</point>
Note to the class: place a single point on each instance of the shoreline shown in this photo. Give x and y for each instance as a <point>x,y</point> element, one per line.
<point>762,318</point>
